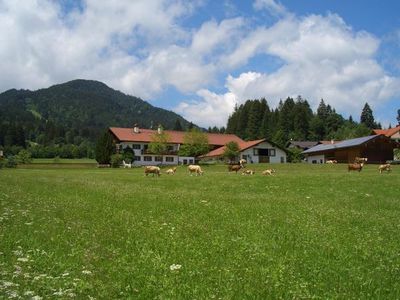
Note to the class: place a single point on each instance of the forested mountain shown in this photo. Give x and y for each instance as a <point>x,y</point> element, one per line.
<point>295,120</point>
<point>73,114</point>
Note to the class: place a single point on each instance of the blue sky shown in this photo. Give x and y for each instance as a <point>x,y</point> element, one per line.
<point>200,58</point>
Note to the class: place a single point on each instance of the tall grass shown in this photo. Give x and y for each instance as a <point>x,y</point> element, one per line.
<point>308,232</point>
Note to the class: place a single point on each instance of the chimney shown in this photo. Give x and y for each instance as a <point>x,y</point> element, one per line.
<point>332,142</point>
<point>159,129</point>
<point>136,128</point>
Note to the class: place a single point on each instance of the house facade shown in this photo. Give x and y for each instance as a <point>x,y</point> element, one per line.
<point>258,151</point>
<point>377,148</point>
<point>138,139</point>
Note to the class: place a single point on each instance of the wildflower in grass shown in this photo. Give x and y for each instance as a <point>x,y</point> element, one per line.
<point>12,294</point>
<point>174,267</point>
<point>29,224</point>
<point>37,297</point>
<point>59,293</point>
<point>18,253</point>
<point>22,259</point>
<point>7,284</point>
<point>29,293</point>
<point>65,274</point>
<point>86,272</point>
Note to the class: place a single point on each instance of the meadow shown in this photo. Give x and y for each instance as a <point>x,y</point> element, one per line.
<point>310,231</point>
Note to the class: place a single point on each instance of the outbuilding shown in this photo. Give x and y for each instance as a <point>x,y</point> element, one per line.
<point>377,148</point>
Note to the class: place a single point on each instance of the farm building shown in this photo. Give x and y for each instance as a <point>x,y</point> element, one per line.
<point>258,151</point>
<point>139,139</point>
<point>377,148</point>
<point>393,133</point>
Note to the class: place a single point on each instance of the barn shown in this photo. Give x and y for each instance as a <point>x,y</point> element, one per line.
<point>377,148</point>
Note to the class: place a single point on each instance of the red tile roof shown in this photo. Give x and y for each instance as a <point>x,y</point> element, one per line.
<point>387,132</point>
<point>175,137</point>
<point>243,145</point>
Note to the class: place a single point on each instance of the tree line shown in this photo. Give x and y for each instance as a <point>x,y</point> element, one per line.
<point>294,119</point>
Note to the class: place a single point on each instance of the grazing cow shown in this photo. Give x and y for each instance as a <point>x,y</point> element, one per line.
<point>268,172</point>
<point>152,170</point>
<point>171,171</point>
<point>332,161</point>
<point>126,165</point>
<point>355,167</point>
<point>195,169</point>
<point>234,168</point>
<point>248,172</point>
<point>385,167</point>
<point>359,160</point>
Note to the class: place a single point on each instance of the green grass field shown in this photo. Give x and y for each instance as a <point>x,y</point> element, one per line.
<point>310,231</point>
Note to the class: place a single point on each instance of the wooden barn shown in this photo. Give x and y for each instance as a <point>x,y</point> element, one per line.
<point>377,148</point>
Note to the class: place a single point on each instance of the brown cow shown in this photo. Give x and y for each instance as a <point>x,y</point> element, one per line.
<point>152,170</point>
<point>234,168</point>
<point>355,167</point>
<point>385,167</point>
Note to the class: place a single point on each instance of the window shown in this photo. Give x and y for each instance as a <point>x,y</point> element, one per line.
<point>255,151</point>
<point>136,146</point>
<point>158,158</point>
<point>271,152</point>
<point>185,161</point>
<point>191,161</point>
<point>136,158</point>
<point>147,158</point>
<point>282,159</point>
<point>170,148</point>
<point>169,159</point>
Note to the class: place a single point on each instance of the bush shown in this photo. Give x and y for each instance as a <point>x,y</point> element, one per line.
<point>11,162</point>
<point>24,157</point>
<point>2,162</point>
<point>116,160</point>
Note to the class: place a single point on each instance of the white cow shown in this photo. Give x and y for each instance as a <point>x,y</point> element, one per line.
<point>125,165</point>
<point>195,169</point>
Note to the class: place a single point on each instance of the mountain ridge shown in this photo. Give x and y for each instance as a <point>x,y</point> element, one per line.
<point>76,110</point>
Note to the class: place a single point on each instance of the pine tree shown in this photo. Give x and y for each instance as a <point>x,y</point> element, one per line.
<point>254,120</point>
<point>367,117</point>
<point>322,110</point>
<point>178,125</point>
<point>398,116</point>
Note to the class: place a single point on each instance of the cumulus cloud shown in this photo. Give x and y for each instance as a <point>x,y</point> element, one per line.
<point>322,58</point>
<point>274,7</point>
<point>142,47</point>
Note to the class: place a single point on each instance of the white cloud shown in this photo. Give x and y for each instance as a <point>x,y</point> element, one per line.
<point>322,58</point>
<point>212,110</point>
<point>274,7</point>
<point>141,48</point>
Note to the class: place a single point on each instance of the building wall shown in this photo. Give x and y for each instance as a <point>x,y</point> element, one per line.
<point>252,155</point>
<point>316,159</point>
<point>144,159</point>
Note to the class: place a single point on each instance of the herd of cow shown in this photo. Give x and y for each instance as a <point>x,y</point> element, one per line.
<point>196,169</point>
<point>236,167</point>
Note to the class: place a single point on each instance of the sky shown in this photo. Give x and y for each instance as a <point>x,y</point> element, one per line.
<point>200,58</point>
